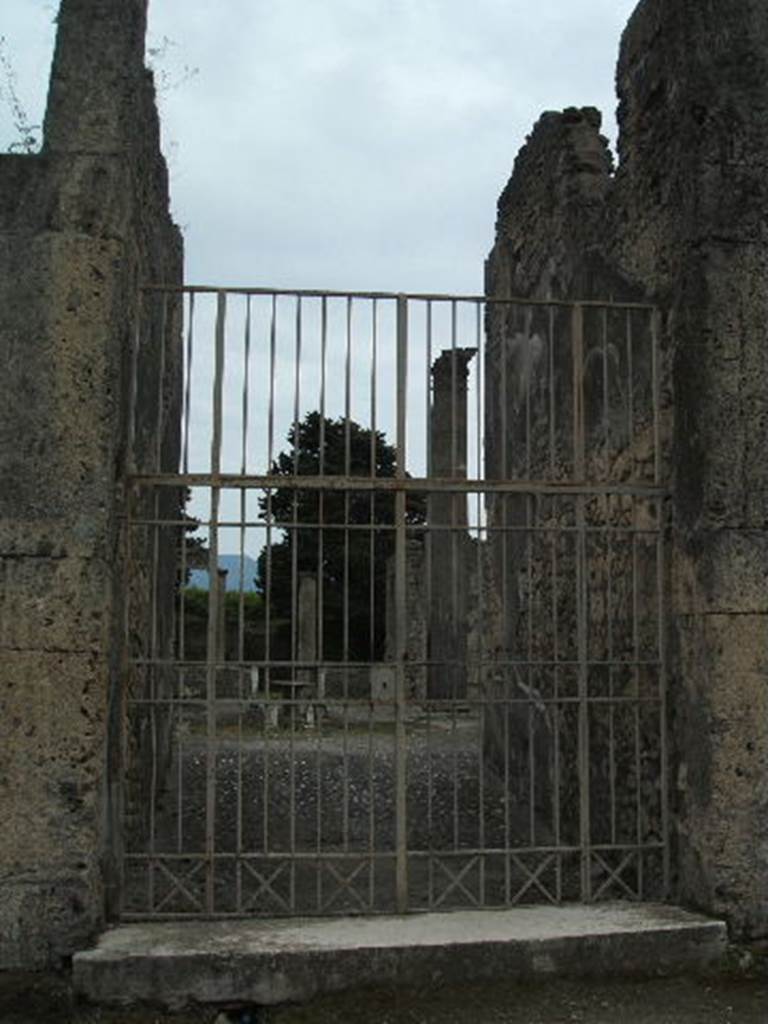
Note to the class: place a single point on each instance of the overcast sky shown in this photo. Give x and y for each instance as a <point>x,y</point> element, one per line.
<point>348,143</point>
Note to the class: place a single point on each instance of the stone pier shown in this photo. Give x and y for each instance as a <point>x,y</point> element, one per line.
<point>82,226</point>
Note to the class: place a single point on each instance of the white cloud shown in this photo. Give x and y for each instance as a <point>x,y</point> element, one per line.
<point>358,143</point>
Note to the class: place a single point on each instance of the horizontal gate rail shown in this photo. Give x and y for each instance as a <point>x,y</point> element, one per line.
<point>412,485</point>
<point>320,293</point>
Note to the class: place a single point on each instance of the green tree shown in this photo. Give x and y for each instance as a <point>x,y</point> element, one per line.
<point>346,543</point>
<point>246,609</point>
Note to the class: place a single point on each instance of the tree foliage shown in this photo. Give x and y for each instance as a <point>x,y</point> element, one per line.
<point>344,538</point>
<point>241,611</point>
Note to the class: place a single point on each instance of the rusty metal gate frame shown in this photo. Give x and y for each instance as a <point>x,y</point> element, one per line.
<point>181,882</point>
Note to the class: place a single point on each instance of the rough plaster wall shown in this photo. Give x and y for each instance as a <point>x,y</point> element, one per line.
<point>684,223</point>
<point>81,226</point>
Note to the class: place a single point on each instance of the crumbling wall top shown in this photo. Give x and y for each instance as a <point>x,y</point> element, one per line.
<point>100,93</point>
<point>553,202</point>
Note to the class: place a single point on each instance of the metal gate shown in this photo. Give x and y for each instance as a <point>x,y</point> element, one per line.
<point>394,629</point>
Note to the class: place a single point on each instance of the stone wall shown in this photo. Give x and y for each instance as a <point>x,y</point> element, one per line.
<point>682,222</point>
<point>82,225</point>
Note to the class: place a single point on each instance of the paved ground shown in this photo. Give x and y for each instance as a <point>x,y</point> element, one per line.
<point>740,998</point>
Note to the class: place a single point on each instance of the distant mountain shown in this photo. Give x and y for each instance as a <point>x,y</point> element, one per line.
<point>199,577</point>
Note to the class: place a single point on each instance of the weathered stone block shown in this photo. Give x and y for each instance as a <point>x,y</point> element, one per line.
<point>52,709</point>
<point>52,739</point>
<point>721,571</point>
<point>721,708</point>
<point>43,918</point>
<point>54,604</point>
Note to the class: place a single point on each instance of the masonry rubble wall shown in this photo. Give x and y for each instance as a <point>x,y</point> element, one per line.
<point>682,223</point>
<point>82,226</point>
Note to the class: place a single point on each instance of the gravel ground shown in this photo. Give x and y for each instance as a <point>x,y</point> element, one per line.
<point>716,999</point>
<point>331,792</point>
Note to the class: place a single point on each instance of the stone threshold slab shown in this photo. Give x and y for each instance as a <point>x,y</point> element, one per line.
<point>264,962</point>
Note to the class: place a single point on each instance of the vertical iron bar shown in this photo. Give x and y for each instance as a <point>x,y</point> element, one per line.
<point>187,375</point>
<point>429,532</point>
<point>133,384</point>
<point>320,591</point>
<point>429,672</point>
<point>663,696</point>
<point>556,710</point>
<point>372,501</point>
<point>296,532</point>
<point>606,402</point>
<point>630,381</point>
<point>505,707</point>
<point>347,474</point>
<point>480,693</point>
<point>295,602</point>
<point>608,553</point>
<point>186,413</point>
<point>401,827</point>
<point>292,712</point>
<point>453,668</point>
<point>530,520</point>
<point>371,814</point>
<point>656,396</point>
<point>320,613</point>
<point>637,722</point>
<point>212,652</point>
<point>188,384</point>
<point>554,512</point>
<point>180,697</point>
<point>318,815</point>
<point>347,575</point>
<point>272,359</point>
<point>551,383</point>
<point>579,466</point>
<point>661,592</point>
<point>264,687</point>
<point>241,602</point>
<point>501,522</point>
<point>428,388</point>
<point>127,681</point>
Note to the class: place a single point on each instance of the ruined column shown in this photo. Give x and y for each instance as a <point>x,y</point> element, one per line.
<point>448,540</point>
<point>307,623</point>
<point>81,227</point>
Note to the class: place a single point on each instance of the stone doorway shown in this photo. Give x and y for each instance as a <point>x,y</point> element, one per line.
<point>400,645</point>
